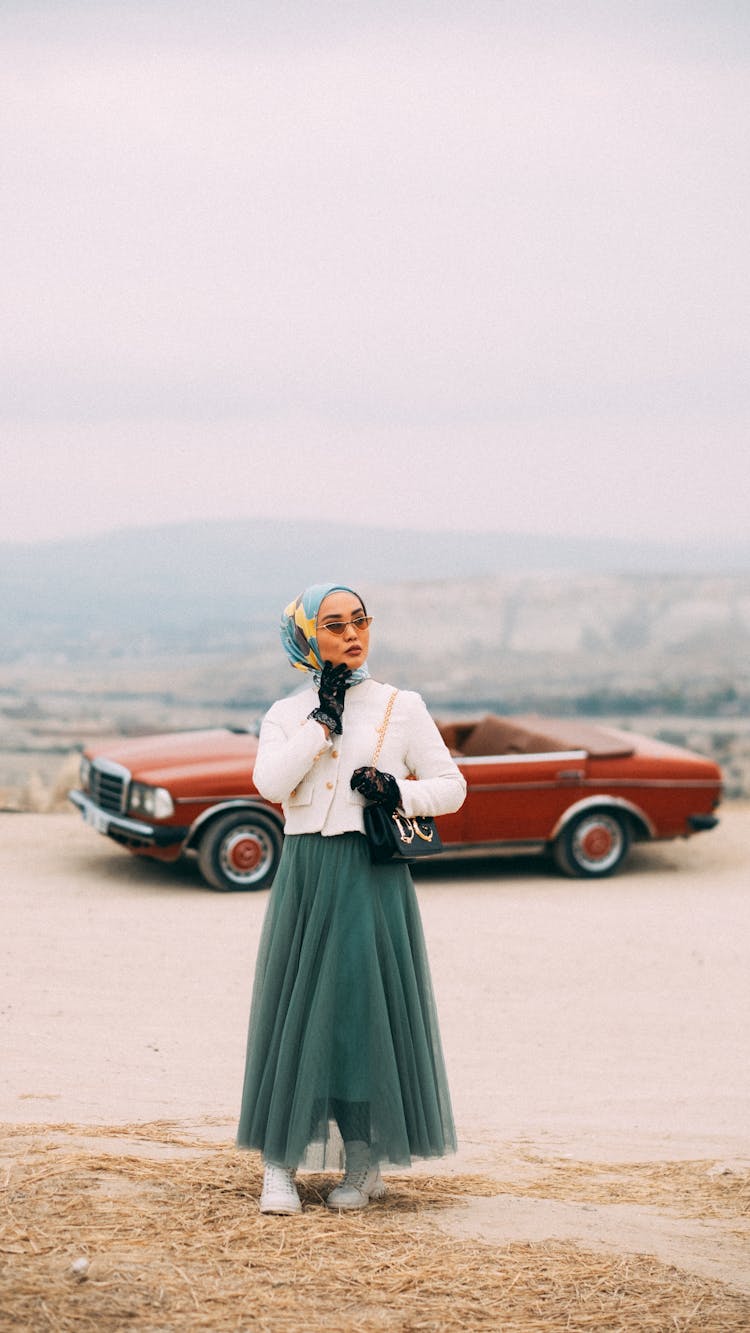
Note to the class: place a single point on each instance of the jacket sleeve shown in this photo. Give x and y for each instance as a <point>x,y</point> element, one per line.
<point>438,787</point>
<point>286,754</point>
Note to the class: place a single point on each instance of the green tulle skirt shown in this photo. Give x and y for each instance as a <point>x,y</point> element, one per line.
<point>343,1041</point>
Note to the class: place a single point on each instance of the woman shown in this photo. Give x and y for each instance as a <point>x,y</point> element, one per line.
<point>343,1046</point>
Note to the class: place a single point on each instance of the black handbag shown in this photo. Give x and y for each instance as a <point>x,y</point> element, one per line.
<point>398,837</point>
<point>394,836</point>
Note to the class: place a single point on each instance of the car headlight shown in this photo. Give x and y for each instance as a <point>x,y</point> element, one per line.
<point>84,772</point>
<point>153,801</point>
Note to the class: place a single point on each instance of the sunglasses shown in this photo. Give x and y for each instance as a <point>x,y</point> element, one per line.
<point>359,623</point>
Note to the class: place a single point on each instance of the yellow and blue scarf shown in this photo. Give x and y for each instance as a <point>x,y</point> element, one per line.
<point>298,630</point>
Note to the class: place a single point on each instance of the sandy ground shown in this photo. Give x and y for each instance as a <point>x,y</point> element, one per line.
<point>603,1022</point>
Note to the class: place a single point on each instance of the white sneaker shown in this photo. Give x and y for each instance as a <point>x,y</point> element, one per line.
<point>362,1181</point>
<point>279,1191</point>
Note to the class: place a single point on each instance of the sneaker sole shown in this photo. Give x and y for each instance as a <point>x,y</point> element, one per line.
<point>351,1207</point>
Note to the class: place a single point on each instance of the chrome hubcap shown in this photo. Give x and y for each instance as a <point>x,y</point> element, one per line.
<point>246,854</point>
<point>597,842</point>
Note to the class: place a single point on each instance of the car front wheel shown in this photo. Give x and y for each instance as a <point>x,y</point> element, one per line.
<point>592,845</point>
<point>240,851</point>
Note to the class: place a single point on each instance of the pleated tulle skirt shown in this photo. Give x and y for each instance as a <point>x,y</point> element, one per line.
<point>343,1040</point>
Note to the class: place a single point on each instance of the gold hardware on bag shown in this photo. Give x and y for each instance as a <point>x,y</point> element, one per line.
<point>427,837</point>
<point>405,827</point>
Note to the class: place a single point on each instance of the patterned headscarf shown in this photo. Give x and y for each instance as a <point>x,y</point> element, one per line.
<point>298,630</point>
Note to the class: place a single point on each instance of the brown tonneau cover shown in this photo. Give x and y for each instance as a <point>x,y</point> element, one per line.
<point>531,734</point>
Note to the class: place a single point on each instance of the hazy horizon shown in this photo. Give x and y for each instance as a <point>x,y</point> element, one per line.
<point>528,552</point>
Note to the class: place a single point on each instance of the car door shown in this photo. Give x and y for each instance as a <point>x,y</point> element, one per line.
<point>519,797</point>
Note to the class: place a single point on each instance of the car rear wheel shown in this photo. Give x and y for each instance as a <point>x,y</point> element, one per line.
<point>593,845</point>
<point>240,851</point>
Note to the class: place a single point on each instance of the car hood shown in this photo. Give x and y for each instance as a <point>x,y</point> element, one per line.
<point>172,759</point>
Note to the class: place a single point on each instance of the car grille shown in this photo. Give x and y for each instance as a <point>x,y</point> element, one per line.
<point>108,784</point>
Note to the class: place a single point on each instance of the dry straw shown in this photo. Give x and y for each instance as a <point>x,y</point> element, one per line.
<point>689,1189</point>
<point>158,1231</point>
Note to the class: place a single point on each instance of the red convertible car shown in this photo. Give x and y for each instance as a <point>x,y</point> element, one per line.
<point>580,791</point>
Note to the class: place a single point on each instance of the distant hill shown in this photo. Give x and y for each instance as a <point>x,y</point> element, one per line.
<point>162,586</point>
<point>572,639</point>
<point>563,641</point>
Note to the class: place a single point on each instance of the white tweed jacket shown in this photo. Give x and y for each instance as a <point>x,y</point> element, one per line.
<point>308,775</point>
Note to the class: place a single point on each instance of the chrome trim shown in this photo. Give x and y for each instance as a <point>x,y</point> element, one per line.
<point>124,828</point>
<point>602,803</point>
<point>544,784</point>
<point>489,849</point>
<point>241,803</point>
<point>215,798</point>
<point>109,766</point>
<point>552,756</point>
<point>84,804</point>
<point>666,783</point>
<point>605,785</point>
<point>110,769</point>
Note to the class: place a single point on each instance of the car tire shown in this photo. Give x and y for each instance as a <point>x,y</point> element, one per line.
<point>593,845</point>
<point>240,851</point>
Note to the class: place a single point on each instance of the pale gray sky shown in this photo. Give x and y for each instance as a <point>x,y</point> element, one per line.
<point>420,264</point>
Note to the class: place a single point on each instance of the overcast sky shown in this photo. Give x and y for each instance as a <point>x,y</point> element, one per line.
<point>421,264</point>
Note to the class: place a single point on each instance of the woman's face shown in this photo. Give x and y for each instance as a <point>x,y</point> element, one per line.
<point>353,645</point>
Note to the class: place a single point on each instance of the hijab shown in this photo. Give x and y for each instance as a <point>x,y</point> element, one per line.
<point>298,630</point>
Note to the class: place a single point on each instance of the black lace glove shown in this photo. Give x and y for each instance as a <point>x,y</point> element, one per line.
<point>380,788</point>
<point>331,693</point>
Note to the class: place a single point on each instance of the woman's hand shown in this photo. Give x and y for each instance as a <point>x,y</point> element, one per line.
<point>380,788</point>
<point>331,696</point>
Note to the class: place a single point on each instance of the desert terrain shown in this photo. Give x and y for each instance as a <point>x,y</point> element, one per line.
<point>595,1036</point>
<point>662,654</point>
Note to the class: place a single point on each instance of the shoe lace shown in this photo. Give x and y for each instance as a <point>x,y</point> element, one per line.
<point>357,1178</point>
<point>279,1176</point>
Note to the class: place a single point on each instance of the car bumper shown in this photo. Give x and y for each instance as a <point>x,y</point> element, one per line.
<point>699,823</point>
<point>131,832</point>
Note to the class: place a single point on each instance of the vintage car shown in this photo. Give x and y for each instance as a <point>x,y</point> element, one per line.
<point>580,791</point>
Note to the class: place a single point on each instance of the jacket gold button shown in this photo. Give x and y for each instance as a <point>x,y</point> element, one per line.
<point>293,792</point>
<point>334,754</point>
<point>329,785</point>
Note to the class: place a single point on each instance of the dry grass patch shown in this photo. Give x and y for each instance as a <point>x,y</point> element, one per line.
<point>690,1189</point>
<point>176,1243</point>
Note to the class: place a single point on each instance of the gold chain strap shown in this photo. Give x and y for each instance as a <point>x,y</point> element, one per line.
<point>383,728</point>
